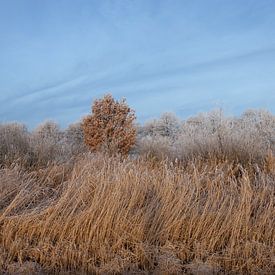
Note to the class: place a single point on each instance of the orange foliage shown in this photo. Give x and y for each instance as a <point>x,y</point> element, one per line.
<point>110,126</point>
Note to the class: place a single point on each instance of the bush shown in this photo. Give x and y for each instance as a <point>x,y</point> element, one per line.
<point>48,143</point>
<point>244,139</point>
<point>168,125</point>
<point>14,143</point>
<point>110,128</point>
<point>74,139</point>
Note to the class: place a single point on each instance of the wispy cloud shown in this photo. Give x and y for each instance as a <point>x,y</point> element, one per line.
<point>56,56</point>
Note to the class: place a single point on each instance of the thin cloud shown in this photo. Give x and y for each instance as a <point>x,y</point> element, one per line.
<point>160,56</point>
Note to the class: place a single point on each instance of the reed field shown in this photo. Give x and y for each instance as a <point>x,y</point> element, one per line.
<point>192,197</point>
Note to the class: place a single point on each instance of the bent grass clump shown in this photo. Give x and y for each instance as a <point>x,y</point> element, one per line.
<point>113,215</point>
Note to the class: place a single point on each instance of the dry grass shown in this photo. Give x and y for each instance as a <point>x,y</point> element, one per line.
<point>107,215</point>
<point>195,197</point>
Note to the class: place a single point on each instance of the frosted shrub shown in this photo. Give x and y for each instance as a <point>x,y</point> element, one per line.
<point>198,135</point>
<point>74,139</point>
<point>14,143</point>
<point>261,122</point>
<point>168,125</point>
<point>157,137</point>
<point>110,127</point>
<point>47,143</point>
<point>253,134</point>
<point>203,134</point>
<point>249,137</point>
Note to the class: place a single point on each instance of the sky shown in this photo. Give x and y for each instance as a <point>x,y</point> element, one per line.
<point>181,56</point>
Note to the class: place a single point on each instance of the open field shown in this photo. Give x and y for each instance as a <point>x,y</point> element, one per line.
<point>206,210</point>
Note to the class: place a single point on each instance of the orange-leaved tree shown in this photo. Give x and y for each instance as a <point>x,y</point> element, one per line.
<point>110,127</point>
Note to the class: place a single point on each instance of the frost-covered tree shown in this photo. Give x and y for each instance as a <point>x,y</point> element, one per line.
<point>168,125</point>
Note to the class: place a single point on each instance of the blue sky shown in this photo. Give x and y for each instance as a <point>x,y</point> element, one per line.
<point>183,56</point>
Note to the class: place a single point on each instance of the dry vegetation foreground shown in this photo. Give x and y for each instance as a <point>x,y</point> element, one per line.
<point>194,196</point>
<point>104,214</point>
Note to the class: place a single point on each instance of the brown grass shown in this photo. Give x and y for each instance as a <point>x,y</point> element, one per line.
<point>105,215</point>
